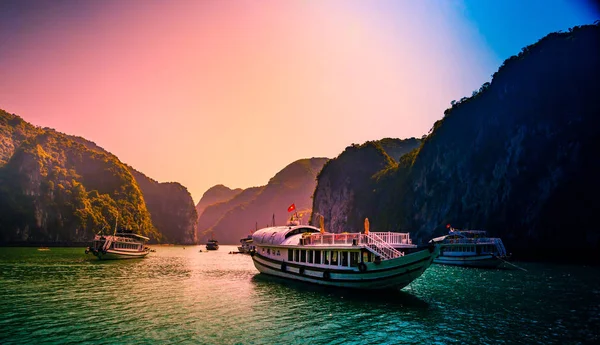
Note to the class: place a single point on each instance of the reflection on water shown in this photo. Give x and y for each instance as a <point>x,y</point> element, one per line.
<point>181,295</point>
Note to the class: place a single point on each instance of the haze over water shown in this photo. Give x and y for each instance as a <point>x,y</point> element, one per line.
<point>182,296</point>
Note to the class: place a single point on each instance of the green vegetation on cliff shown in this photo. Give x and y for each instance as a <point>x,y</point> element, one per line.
<point>517,158</point>
<point>59,188</point>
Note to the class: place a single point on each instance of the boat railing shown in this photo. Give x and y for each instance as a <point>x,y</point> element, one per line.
<point>378,245</point>
<point>394,238</point>
<point>316,239</point>
<point>372,240</point>
<point>472,241</point>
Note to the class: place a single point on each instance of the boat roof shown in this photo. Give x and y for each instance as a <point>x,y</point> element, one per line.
<point>126,234</point>
<point>476,232</point>
<point>278,234</point>
<point>460,233</point>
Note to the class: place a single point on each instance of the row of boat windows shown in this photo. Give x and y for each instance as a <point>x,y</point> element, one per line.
<point>470,249</point>
<point>125,246</point>
<point>329,257</point>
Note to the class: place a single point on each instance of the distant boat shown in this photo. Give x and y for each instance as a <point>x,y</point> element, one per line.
<point>246,245</point>
<point>470,248</point>
<point>121,245</point>
<point>353,260</point>
<point>212,245</point>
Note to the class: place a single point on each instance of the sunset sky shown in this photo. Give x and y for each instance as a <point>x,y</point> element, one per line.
<point>208,92</point>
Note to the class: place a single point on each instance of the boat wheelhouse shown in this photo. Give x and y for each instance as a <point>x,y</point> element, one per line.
<point>470,248</point>
<point>370,260</point>
<point>212,245</point>
<point>122,245</point>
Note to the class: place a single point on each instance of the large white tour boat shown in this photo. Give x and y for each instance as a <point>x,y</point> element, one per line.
<point>121,245</point>
<point>370,260</point>
<point>470,248</point>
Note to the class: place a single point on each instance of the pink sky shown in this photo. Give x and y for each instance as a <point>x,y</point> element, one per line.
<point>231,92</point>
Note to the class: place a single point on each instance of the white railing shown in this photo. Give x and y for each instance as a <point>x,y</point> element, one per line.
<point>382,248</point>
<point>316,239</point>
<point>394,238</point>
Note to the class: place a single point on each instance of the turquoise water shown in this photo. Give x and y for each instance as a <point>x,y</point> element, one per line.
<point>182,296</point>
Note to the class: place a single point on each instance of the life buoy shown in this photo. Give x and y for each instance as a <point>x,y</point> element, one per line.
<point>301,270</point>
<point>362,267</point>
<point>326,275</point>
<point>283,267</point>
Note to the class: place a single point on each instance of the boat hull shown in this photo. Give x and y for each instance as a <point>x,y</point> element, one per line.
<point>119,255</point>
<point>480,261</point>
<point>388,274</point>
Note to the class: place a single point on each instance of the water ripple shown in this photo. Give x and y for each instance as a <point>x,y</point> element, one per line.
<point>182,296</point>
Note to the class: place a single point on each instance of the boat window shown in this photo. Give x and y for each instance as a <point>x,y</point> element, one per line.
<point>344,260</point>
<point>353,259</point>
<point>310,256</point>
<point>300,231</point>
<point>317,256</point>
<point>278,253</point>
<point>296,255</point>
<point>365,256</point>
<point>268,251</point>
<point>326,257</point>
<point>334,257</point>
<point>303,255</point>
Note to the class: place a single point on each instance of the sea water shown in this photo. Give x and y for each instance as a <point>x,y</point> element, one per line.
<point>179,295</point>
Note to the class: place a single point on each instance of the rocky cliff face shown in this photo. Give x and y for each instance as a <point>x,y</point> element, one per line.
<point>343,184</point>
<point>214,195</point>
<point>294,184</point>
<point>518,158</point>
<point>171,208</point>
<point>60,188</point>
<point>214,213</point>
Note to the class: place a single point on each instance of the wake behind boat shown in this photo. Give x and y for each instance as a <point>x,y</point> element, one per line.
<point>121,245</point>
<point>471,248</point>
<point>353,260</point>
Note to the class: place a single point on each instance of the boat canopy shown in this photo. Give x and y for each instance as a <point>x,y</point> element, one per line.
<point>132,235</point>
<point>278,234</point>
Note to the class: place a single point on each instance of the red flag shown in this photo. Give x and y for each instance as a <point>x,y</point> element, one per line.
<point>291,208</point>
<point>448,226</point>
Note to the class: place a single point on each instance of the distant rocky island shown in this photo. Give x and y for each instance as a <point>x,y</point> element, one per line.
<point>518,158</point>
<point>57,188</point>
<point>229,219</point>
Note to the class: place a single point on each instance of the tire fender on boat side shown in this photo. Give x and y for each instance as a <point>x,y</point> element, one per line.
<point>283,267</point>
<point>301,270</point>
<point>362,267</point>
<point>326,275</point>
